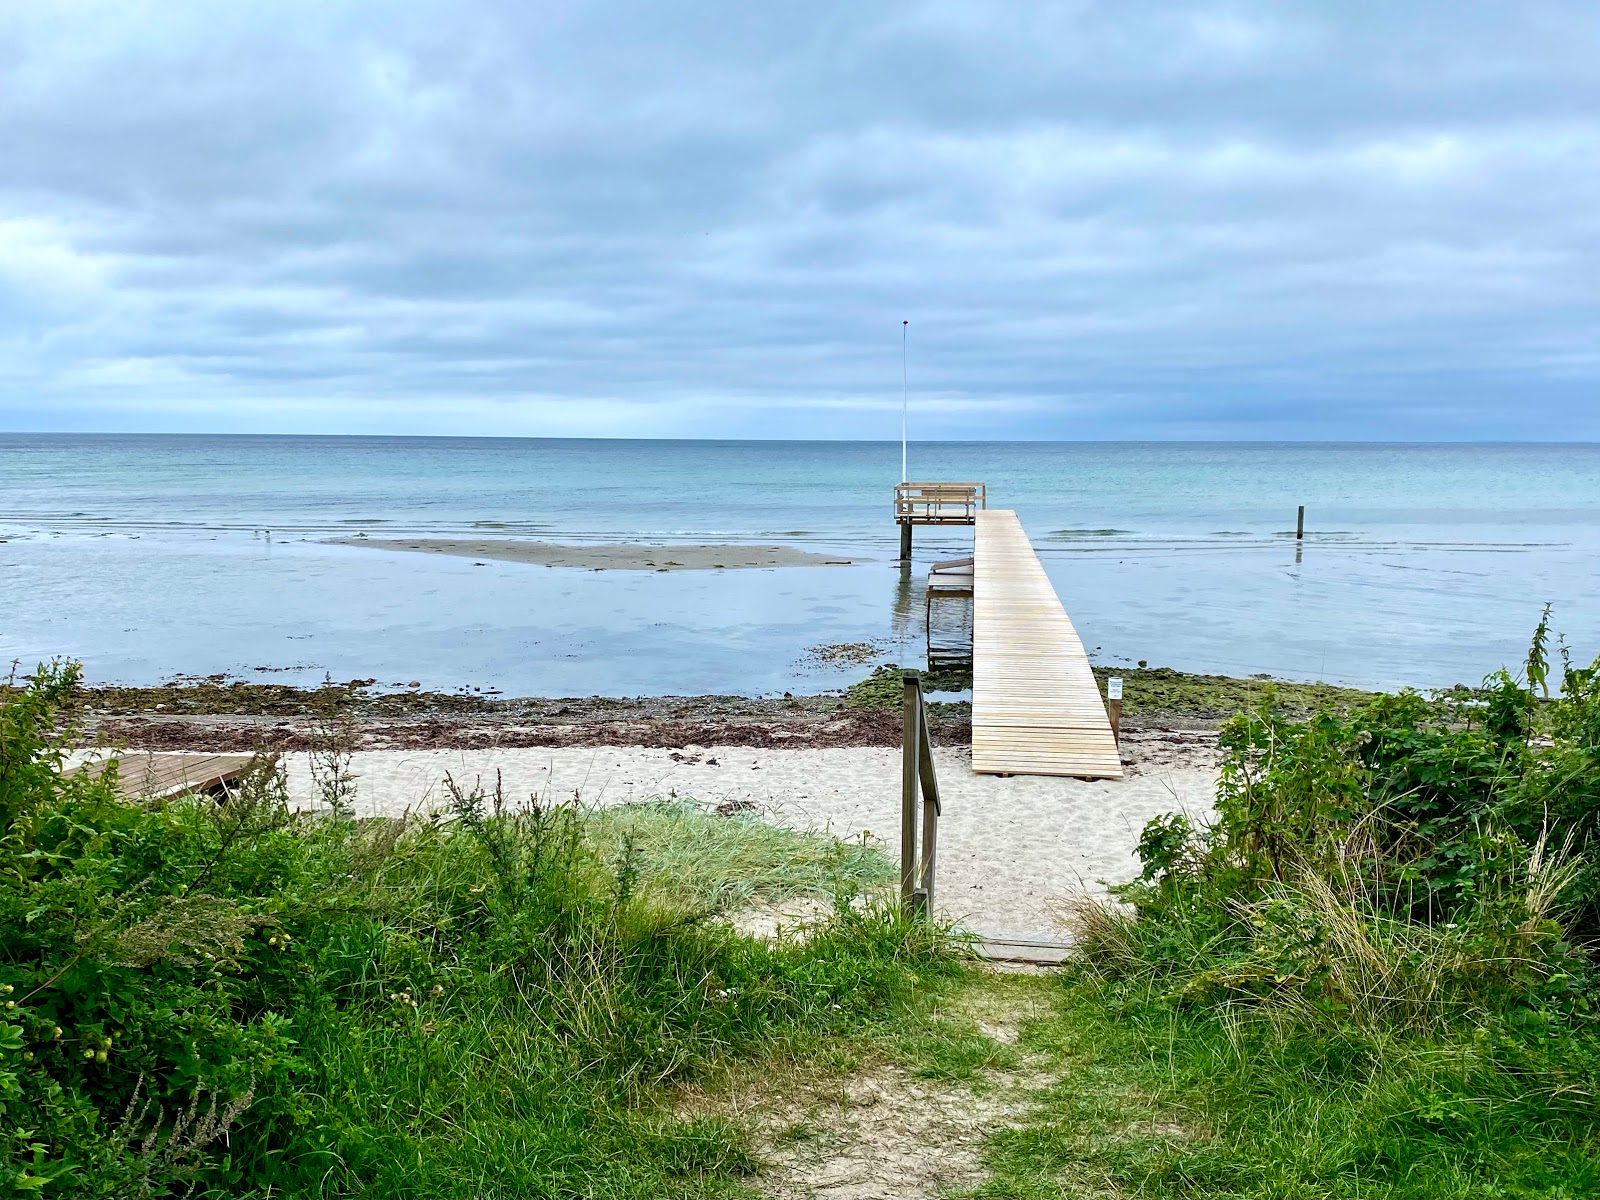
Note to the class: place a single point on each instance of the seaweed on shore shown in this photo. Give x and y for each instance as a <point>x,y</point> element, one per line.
<point>1148,692</point>
<point>218,697</point>
<point>1162,692</point>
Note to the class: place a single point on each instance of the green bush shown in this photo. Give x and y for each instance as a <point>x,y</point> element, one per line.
<point>1374,966</point>
<point>231,997</point>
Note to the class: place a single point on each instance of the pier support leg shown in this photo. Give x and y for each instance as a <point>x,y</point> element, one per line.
<point>905,543</point>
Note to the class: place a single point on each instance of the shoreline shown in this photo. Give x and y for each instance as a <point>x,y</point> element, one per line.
<point>222,714</point>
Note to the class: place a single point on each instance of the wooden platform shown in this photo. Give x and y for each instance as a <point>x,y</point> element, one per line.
<point>938,503</point>
<point>143,775</point>
<point>1036,708</point>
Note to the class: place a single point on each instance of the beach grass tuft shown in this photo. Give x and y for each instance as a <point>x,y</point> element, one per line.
<point>711,861</point>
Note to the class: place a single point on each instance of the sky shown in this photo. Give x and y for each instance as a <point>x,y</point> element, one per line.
<point>1345,219</point>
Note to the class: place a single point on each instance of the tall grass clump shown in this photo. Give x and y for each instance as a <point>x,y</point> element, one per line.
<point>228,997</point>
<point>1375,965</point>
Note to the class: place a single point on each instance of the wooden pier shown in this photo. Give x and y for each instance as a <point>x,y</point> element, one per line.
<point>1036,708</point>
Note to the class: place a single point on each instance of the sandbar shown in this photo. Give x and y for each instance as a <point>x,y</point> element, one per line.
<point>611,557</point>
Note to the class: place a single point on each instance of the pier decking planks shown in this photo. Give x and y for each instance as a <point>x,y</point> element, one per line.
<point>1036,708</point>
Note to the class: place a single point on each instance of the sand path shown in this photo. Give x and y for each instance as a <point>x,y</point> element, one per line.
<point>1009,848</point>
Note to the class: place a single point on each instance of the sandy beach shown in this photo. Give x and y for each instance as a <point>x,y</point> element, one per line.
<point>1010,849</point>
<point>619,557</point>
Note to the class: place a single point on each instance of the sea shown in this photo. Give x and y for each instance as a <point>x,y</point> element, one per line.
<point>151,557</point>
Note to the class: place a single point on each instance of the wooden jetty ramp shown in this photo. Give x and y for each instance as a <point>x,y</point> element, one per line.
<point>1036,708</point>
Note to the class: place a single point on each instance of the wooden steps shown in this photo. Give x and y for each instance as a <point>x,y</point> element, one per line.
<point>1036,708</point>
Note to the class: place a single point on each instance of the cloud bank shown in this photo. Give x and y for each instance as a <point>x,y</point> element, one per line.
<point>608,218</point>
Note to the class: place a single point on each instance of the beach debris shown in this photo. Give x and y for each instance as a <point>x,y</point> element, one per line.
<point>730,808</point>
<point>844,653</point>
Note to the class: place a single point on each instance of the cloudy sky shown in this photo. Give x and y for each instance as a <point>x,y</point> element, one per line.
<point>1345,219</point>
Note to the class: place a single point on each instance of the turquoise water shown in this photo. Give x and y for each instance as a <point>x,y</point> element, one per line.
<point>152,556</point>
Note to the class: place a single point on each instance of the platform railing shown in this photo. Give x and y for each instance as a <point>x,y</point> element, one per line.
<point>939,503</point>
<point>918,856</point>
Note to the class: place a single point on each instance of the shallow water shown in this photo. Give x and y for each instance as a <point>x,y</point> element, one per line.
<point>151,556</point>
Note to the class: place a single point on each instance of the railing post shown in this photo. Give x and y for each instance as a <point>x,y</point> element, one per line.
<point>930,811</point>
<point>911,733</point>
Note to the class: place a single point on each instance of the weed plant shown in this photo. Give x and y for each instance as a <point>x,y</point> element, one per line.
<point>228,997</point>
<point>1372,973</point>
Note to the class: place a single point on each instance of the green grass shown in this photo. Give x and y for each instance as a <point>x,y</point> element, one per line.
<point>1155,1100</point>
<point>707,861</point>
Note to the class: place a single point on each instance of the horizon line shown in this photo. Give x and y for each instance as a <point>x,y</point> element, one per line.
<point>531,437</point>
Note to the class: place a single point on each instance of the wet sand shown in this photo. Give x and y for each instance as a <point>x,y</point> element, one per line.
<point>619,557</point>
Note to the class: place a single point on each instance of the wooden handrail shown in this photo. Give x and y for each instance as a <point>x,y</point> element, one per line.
<point>917,859</point>
<point>939,503</point>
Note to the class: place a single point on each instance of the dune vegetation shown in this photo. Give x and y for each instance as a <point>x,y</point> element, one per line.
<point>1372,974</point>
<point>234,998</point>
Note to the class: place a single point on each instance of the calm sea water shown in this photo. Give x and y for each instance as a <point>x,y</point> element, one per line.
<point>149,556</point>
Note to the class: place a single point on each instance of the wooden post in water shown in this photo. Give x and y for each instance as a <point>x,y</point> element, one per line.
<point>910,735</point>
<point>905,543</point>
<point>1300,523</point>
<point>1114,706</point>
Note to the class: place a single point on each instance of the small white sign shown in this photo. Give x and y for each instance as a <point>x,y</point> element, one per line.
<point>1114,688</point>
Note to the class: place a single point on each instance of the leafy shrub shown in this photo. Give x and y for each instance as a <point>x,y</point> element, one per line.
<point>236,999</point>
<point>1373,969</point>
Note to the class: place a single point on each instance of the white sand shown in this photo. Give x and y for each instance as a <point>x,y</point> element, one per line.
<point>1009,848</point>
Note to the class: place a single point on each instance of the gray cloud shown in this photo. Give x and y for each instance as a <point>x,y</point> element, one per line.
<point>1102,219</point>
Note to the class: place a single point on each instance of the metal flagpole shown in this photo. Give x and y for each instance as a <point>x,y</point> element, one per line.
<point>904,399</point>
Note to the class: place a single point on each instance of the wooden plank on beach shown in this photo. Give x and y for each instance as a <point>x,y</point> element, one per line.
<point>1019,950</point>
<point>144,775</point>
<point>1036,708</point>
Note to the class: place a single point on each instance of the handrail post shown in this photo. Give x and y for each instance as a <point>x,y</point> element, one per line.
<point>917,856</point>
<point>931,809</point>
<point>911,733</point>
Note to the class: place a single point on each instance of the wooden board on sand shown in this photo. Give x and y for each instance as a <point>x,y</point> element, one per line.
<point>144,775</point>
